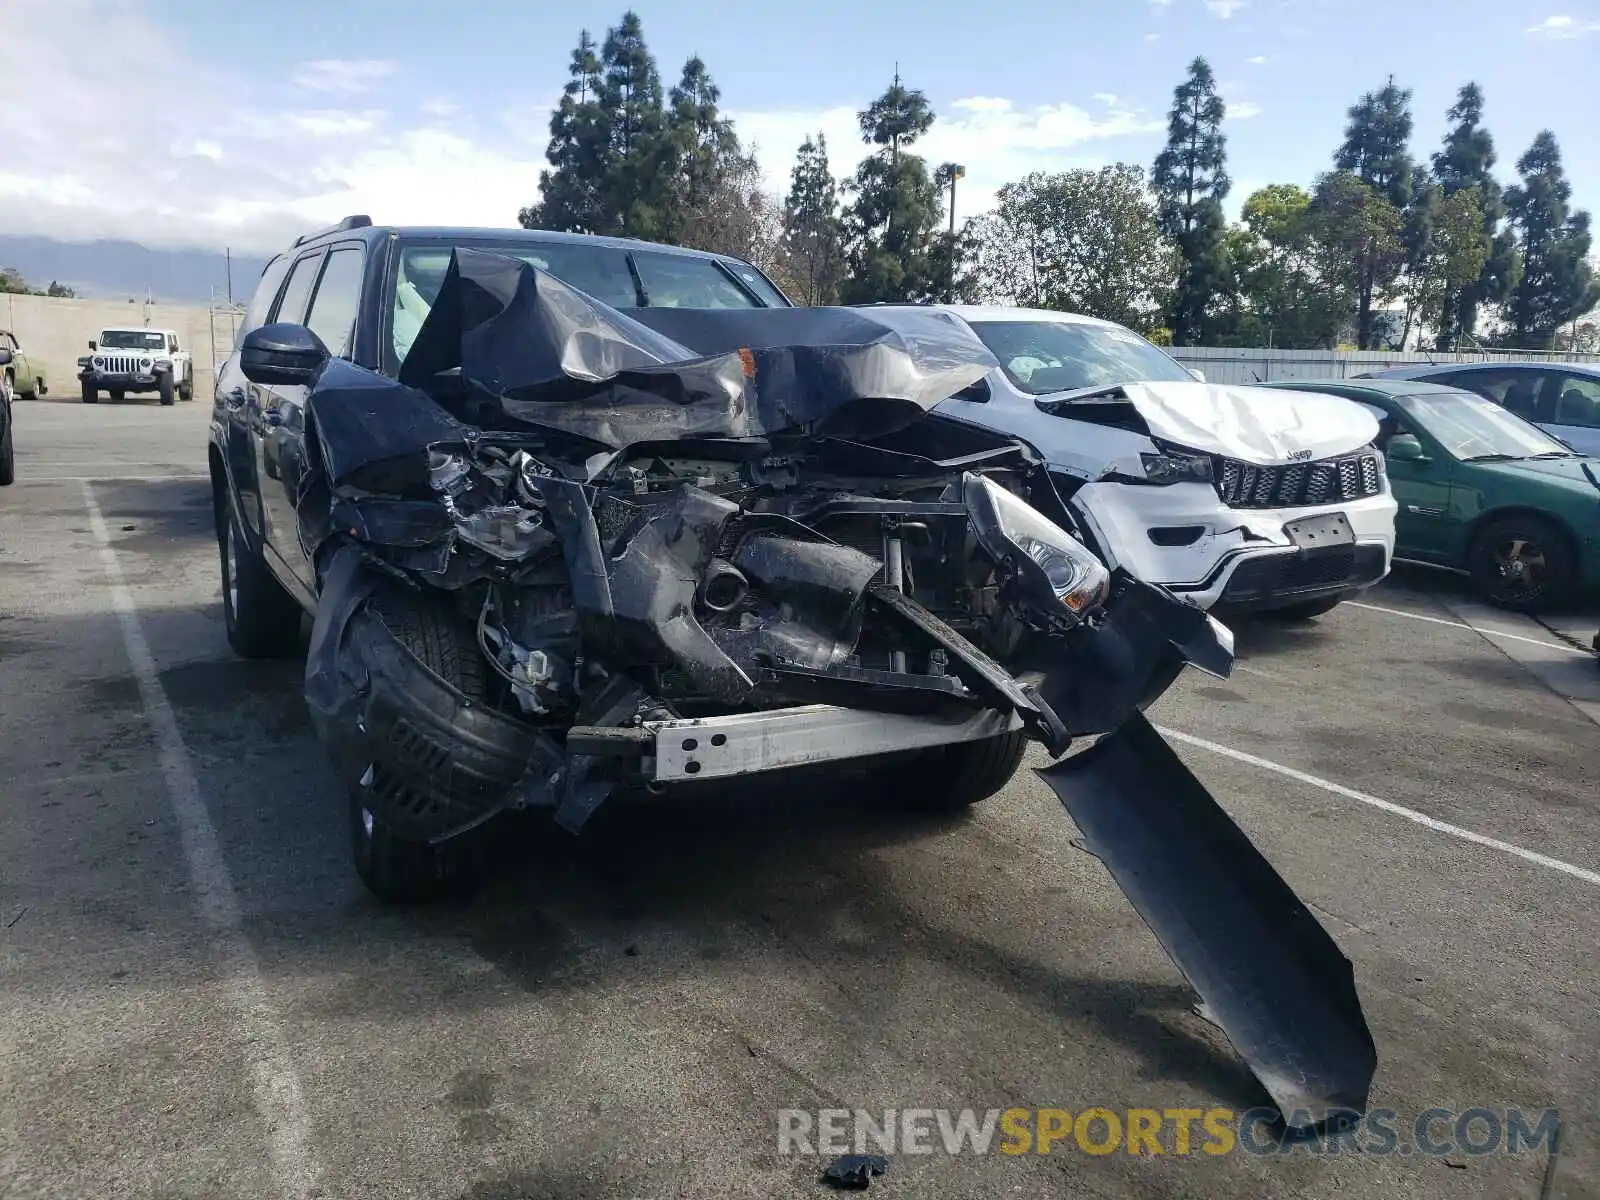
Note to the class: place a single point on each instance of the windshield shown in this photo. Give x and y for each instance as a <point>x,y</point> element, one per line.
<point>1053,356</point>
<point>1472,428</point>
<point>668,280</point>
<point>131,339</point>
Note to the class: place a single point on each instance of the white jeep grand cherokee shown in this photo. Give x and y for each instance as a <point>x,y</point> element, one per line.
<point>136,360</point>
<point>1241,497</point>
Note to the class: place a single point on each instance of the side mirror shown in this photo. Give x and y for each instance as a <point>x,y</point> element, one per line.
<point>282,355</point>
<point>1198,374</point>
<point>92,345</point>
<point>1404,447</point>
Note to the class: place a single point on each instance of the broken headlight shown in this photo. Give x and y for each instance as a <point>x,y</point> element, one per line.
<point>1051,563</point>
<point>1171,466</point>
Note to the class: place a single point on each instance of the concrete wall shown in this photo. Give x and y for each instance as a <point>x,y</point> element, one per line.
<point>56,332</point>
<point>1244,365</point>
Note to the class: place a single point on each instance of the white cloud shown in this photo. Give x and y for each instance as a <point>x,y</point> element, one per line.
<point>237,170</point>
<point>1150,37</point>
<point>1564,28</point>
<point>1256,60</point>
<point>1109,99</point>
<point>1223,9</point>
<point>993,138</point>
<point>342,76</point>
<point>441,108</point>
<point>1241,112</point>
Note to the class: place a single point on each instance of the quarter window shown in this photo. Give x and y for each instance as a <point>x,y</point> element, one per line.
<point>292,307</point>
<point>333,312</point>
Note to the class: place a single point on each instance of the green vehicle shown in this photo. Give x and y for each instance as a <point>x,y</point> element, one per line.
<point>20,376</point>
<point>1481,490</point>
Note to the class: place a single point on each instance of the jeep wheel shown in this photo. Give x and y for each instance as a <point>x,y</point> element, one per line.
<point>186,389</point>
<point>91,394</point>
<point>164,390</point>
<point>262,619</point>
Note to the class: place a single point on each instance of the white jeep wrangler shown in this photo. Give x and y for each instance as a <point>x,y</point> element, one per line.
<point>137,360</point>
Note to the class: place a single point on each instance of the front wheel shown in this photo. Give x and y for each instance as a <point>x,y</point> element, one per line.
<point>164,390</point>
<point>398,871</point>
<point>262,619</point>
<point>186,389</point>
<point>1521,564</point>
<point>8,454</point>
<point>954,777</point>
<point>91,394</point>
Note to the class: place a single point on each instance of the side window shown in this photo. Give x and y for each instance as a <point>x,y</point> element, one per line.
<point>266,292</point>
<point>172,344</point>
<point>8,341</point>
<point>1576,399</point>
<point>333,311</point>
<point>292,307</point>
<point>1516,391</point>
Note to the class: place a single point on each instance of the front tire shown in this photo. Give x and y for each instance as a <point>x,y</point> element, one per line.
<point>91,394</point>
<point>397,870</point>
<point>954,777</point>
<point>186,389</point>
<point>8,454</point>
<point>262,619</point>
<point>164,391</point>
<point>1522,564</point>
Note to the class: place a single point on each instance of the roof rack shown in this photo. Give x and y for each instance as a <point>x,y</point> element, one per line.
<point>359,221</point>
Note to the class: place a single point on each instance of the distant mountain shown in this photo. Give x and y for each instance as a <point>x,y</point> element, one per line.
<point>116,270</point>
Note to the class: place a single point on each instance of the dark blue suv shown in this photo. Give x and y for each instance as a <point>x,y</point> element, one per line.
<point>364,289</point>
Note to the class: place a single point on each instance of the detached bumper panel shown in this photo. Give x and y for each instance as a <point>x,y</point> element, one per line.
<point>1269,973</point>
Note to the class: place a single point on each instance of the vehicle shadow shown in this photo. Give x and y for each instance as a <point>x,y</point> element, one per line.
<point>153,516</point>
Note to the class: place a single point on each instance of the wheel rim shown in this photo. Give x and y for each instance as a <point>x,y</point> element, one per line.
<point>1521,570</point>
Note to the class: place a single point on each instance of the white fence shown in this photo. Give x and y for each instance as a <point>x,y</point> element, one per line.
<point>1227,364</point>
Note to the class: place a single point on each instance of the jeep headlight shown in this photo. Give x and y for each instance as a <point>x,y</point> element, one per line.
<point>1050,562</point>
<point>99,363</point>
<point>1173,466</point>
<point>145,363</point>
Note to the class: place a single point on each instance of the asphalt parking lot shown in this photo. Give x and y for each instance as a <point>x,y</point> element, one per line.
<point>198,999</point>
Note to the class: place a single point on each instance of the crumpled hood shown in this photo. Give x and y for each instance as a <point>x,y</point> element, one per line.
<point>1262,426</point>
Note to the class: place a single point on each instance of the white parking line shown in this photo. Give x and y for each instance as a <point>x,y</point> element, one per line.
<point>278,1096</point>
<point>1388,806</point>
<point>1495,633</point>
<point>105,478</point>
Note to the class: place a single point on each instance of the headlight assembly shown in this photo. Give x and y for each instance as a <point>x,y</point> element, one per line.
<point>1173,467</point>
<point>1053,566</point>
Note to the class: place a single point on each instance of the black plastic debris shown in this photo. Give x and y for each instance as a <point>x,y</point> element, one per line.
<point>854,1172</point>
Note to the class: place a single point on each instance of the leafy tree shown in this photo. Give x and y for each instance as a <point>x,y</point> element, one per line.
<point>1467,161</point>
<point>713,180</point>
<point>1191,181</point>
<point>896,206</point>
<point>1284,296</point>
<point>60,291</point>
<point>812,233</point>
<point>11,280</point>
<point>1359,238</point>
<point>1452,258</point>
<point>1084,241</point>
<point>1375,153</point>
<point>1558,282</point>
<point>579,152</point>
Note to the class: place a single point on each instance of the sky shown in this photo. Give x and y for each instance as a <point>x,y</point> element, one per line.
<point>205,124</point>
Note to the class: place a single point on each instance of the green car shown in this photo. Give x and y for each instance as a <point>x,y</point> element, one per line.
<point>20,376</point>
<point>1481,490</point>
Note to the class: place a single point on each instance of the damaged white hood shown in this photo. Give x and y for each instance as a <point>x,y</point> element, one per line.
<point>1261,426</point>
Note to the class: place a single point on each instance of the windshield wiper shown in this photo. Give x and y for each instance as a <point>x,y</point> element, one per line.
<point>1555,454</point>
<point>1493,458</point>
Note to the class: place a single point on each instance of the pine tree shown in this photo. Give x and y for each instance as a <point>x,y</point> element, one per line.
<point>896,208</point>
<point>1467,161</point>
<point>578,153</point>
<point>1191,181</point>
<point>1375,151</point>
<point>709,168</point>
<point>1557,283</point>
<point>812,234</point>
<point>635,189</point>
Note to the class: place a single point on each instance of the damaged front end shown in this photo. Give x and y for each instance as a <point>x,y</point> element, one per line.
<point>567,553</point>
